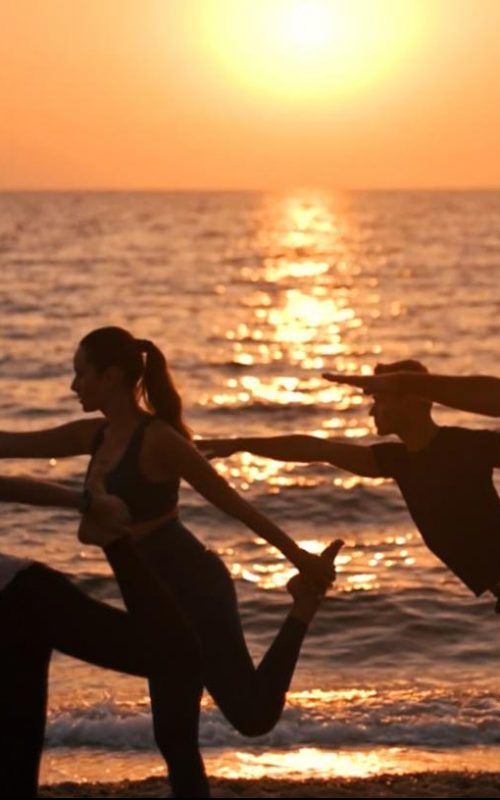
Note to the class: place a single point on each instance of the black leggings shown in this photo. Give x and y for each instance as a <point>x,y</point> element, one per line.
<point>40,610</point>
<point>183,631</point>
<point>252,698</point>
<point>202,604</point>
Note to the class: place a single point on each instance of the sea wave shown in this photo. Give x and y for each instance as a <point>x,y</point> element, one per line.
<point>336,719</point>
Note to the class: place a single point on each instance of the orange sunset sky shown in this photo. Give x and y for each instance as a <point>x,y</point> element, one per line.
<point>243,94</point>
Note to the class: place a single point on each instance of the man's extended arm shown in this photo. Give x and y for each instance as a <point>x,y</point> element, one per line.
<point>300,448</point>
<point>479,394</point>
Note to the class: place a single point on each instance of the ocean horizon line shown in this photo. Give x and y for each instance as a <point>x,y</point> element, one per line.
<point>241,190</point>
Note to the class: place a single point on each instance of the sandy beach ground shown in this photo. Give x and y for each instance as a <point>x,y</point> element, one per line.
<point>427,784</point>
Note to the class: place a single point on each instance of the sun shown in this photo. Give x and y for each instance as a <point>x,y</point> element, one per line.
<point>308,24</point>
<point>306,49</point>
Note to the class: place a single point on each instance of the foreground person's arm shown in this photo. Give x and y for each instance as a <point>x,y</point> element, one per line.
<point>38,493</point>
<point>102,509</point>
<point>479,394</point>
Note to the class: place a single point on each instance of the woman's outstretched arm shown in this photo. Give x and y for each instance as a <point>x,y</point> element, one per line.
<point>479,394</point>
<point>72,439</point>
<point>174,454</point>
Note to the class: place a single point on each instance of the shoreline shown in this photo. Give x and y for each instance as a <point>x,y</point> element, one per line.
<point>414,784</point>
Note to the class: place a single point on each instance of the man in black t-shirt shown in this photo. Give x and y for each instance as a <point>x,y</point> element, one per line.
<point>445,475</point>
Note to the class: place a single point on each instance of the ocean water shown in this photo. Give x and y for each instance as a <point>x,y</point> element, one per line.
<point>251,296</point>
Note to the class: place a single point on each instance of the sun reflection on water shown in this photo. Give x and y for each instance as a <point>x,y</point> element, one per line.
<point>305,317</point>
<point>276,271</point>
<point>305,297</point>
<point>304,311</point>
<point>274,571</point>
<point>313,761</point>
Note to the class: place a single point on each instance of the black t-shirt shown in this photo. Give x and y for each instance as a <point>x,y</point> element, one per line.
<point>448,488</point>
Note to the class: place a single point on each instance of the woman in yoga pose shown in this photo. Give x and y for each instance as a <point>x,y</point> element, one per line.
<point>140,450</point>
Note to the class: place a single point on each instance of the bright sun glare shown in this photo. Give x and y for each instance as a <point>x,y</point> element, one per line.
<point>307,48</point>
<point>307,24</point>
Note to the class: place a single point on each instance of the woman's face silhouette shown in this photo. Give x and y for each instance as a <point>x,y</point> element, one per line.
<point>90,386</point>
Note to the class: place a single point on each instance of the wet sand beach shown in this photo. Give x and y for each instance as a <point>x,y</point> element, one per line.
<point>427,784</point>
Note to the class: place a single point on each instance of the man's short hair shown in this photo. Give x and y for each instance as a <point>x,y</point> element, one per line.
<point>407,365</point>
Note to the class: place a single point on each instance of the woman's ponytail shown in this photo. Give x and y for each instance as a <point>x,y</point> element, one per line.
<point>148,377</point>
<point>158,389</point>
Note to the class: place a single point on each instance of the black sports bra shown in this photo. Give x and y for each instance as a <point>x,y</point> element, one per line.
<point>145,499</point>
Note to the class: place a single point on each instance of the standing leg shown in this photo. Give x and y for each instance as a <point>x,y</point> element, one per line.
<point>176,716</point>
<point>175,698</point>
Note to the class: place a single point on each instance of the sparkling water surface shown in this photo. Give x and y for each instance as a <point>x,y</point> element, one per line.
<point>251,296</point>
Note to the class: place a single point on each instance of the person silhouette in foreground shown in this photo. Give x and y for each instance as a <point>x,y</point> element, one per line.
<point>41,611</point>
<point>445,473</point>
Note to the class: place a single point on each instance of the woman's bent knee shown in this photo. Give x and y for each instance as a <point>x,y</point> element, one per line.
<point>253,722</point>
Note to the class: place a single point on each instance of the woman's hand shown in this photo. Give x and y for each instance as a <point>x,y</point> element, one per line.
<point>319,571</point>
<point>107,519</point>
<point>217,448</point>
<point>306,596</point>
